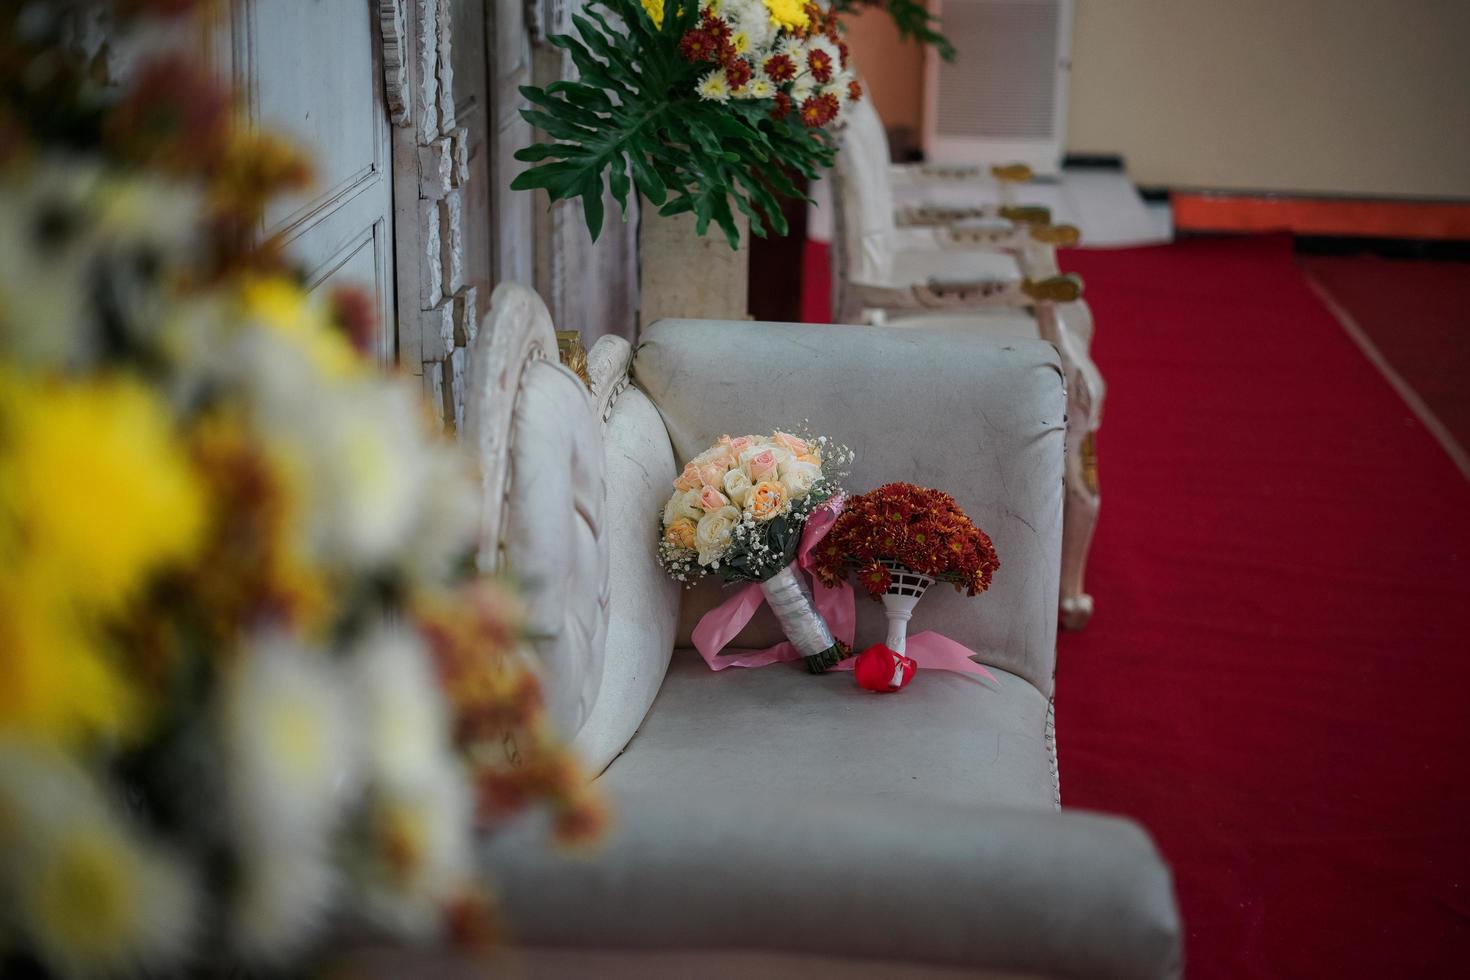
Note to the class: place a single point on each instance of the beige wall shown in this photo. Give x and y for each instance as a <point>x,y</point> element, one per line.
<point>892,68</point>
<point>1362,97</point>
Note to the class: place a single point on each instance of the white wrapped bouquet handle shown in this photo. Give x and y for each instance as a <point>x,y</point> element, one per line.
<point>791,601</point>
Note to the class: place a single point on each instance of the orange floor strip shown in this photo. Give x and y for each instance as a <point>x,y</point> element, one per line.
<point>1440,221</point>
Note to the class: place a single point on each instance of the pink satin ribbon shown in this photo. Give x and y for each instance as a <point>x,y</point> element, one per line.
<point>838,606</point>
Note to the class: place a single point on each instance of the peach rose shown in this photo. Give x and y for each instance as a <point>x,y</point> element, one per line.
<point>689,479</point>
<point>680,534</point>
<point>711,499</point>
<point>767,500</point>
<point>814,457</point>
<point>712,475</point>
<point>761,465</point>
<point>786,440</point>
<point>740,444</point>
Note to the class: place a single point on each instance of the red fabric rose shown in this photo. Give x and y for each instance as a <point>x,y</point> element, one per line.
<point>880,669</point>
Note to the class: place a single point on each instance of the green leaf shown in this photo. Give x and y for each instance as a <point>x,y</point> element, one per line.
<point>549,175</point>
<point>591,191</point>
<point>649,182</point>
<point>556,126</point>
<point>617,182</point>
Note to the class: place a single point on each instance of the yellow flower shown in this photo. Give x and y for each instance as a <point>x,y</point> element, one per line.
<point>95,498</point>
<point>287,309</point>
<point>788,14</point>
<point>655,11</point>
<point>102,494</point>
<point>56,684</point>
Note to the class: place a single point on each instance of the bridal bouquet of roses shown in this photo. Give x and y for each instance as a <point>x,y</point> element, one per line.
<point>738,511</point>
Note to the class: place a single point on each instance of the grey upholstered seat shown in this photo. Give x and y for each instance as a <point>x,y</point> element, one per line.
<point>948,737</point>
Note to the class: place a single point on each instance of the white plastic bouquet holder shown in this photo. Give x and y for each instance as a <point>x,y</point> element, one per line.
<point>904,591</point>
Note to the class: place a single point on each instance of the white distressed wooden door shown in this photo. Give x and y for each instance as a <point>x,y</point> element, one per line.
<point>312,71</point>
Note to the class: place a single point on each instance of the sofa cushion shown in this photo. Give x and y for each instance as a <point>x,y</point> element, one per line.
<point>643,601</point>
<point>980,418</point>
<point>945,737</point>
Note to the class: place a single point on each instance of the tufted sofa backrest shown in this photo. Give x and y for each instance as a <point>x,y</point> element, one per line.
<point>537,439</point>
<point>572,491</point>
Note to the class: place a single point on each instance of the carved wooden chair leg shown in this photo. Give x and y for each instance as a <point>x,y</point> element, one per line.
<point>1079,521</point>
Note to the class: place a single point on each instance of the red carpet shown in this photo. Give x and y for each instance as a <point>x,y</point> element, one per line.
<point>1277,678</point>
<point>1417,313</point>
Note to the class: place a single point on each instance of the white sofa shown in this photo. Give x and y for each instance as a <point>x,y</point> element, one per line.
<point>768,822</point>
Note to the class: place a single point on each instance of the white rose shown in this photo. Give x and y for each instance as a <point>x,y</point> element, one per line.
<point>737,486</point>
<point>712,536</point>
<point>798,478</point>
<point>683,503</point>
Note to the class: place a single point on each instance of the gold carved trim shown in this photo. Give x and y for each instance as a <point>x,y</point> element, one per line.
<point>1089,463</point>
<point>1059,235</point>
<point>1012,173</point>
<point>569,348</point>
<point>1054,289</point>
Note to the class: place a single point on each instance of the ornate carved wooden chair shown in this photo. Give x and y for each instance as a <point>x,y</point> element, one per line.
<point>768,818</point>
<point>995,276</point>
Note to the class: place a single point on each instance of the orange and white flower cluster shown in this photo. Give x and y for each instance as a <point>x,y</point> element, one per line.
<point>730,499</point>
<point>786,51</point>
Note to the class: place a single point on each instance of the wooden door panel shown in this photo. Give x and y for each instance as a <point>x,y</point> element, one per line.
<point>311,71</point>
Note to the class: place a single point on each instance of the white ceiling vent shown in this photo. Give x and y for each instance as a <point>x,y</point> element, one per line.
<point>1003,98</point>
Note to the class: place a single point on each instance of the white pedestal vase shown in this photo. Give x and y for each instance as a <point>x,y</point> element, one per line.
<point>903,594</point>
<point>681,274</point>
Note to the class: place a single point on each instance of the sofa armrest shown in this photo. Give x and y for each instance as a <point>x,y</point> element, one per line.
<point>1051,894</point>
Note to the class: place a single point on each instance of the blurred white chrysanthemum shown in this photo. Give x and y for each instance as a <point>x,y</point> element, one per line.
<point>423,831</point>
<point>371,450</point>
<point>401,710</point>
<point>447,517</point>
<point>90,893</point>
<point>286,732</point>
<point>282,899</point>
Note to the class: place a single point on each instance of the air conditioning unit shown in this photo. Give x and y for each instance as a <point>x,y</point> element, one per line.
<point>1003,99</point>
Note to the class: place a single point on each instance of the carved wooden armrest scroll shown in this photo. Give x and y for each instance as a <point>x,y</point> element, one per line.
<point>1011,236</point>
<point>919,215</point>
<point>1031,214</point>
<point>950,171</point>
<point>607,365</point>
<point>952,294</point>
